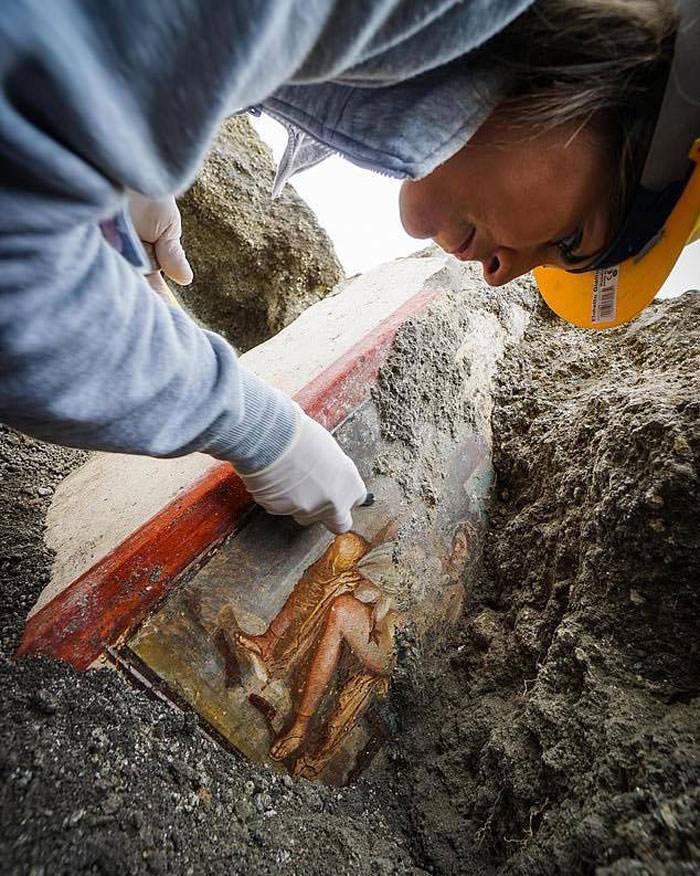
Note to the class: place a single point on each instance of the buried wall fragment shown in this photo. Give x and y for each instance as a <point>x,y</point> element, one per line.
<point>284,641</point>
<point>408,380</point>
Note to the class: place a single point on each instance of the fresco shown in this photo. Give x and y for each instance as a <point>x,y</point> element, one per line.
<point>284,642</point>
<point>288,684</point>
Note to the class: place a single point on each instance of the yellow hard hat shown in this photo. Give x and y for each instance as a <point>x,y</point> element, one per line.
<point>664,215</point>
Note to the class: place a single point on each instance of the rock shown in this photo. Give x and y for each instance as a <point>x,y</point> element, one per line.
<point>190,723</point>
<point>263,802</point>
<point>183,773</point>
<point>257,263</point>
<point>44,702</point>
<point>485,626</point>
<point>74,818</point>
<point>98,739</point>
<point>245,811</point>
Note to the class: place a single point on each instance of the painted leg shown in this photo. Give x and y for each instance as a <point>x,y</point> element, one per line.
<point>264,644</point>
<point>349,620</point>
<point>322,667</point>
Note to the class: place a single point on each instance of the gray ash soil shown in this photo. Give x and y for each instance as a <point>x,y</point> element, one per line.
<point>556,730</point>
<point>98,778</point>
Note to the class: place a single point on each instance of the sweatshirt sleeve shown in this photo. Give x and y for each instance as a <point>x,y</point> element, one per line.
<point>91,357</point>
<point>95,98</point>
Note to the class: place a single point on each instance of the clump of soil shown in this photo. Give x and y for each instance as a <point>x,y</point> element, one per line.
<point>257,262</point>
<point>557,731</point>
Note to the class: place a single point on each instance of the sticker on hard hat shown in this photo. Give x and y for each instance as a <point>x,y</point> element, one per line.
<point>605,295</point>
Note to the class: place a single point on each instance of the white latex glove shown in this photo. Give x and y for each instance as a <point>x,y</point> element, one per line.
<point>159,227</point>
<point>313,480</point>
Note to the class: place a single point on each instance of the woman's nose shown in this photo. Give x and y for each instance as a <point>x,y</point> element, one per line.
<point>417,213</point>
<point>505,264</point>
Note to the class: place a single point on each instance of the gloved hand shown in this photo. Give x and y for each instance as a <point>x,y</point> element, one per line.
<point>159,227</point>
<point>313,480</point>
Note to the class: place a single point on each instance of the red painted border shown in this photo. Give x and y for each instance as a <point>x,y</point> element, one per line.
<point>119,591</point>
<point>336,392</point>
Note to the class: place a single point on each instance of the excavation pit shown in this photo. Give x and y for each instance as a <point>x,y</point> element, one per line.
<point>556,724</point>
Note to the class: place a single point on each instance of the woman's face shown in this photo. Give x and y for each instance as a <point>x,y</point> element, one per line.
<point>515,203</point>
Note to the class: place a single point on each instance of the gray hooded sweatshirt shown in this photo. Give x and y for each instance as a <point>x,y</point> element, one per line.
<point>101,96</point>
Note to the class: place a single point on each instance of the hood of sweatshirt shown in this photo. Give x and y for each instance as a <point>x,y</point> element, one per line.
<point>409,102</point>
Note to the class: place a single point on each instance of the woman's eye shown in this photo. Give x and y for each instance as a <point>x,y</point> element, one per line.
<point>568,245</point>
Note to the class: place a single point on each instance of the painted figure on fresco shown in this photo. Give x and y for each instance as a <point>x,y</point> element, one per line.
<point>344,597</point>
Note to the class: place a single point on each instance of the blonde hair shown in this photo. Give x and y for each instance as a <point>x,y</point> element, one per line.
<point>597,63</point>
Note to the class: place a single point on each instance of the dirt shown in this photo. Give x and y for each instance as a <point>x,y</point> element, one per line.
<point>556,732</point>
<point>433,398</point>
<point>552,731</point>
<point>98,778</point>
